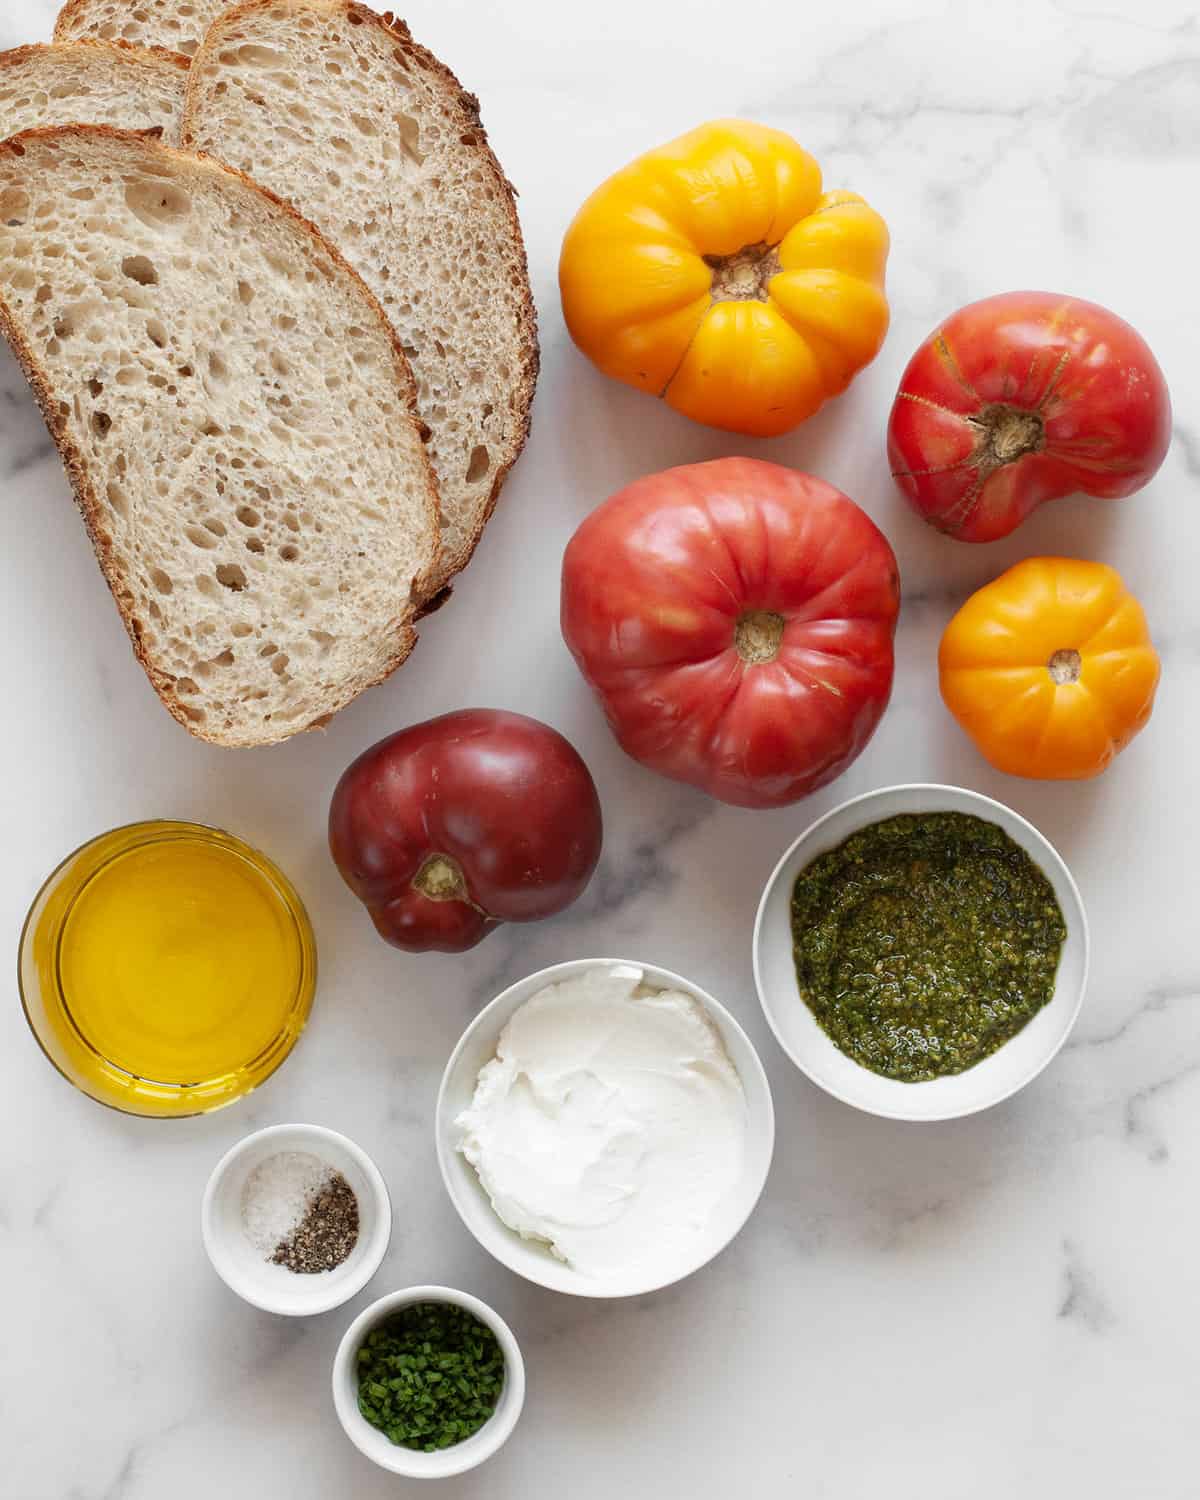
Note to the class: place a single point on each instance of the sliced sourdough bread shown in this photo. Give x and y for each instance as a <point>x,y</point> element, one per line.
<point>235,417</point>
<point>92,83</point>
<point>337,110</point>
<point>175,24</point>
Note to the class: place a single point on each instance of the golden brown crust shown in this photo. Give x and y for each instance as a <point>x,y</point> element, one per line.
<point>75,464</point>
<point>468,107</point>
<point>179,60</point>
<point>124,50</point>
<point>66,15</point>
<point>72,11</point>
<point>65,32</point>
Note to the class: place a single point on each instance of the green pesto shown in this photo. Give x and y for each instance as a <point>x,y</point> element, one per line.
<point>925,942</point>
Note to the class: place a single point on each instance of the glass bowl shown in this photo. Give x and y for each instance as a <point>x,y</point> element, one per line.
<point>166,968</point>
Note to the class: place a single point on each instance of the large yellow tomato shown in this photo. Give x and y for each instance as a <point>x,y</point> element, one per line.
<point>1050,669</point>
<point>715,273</point>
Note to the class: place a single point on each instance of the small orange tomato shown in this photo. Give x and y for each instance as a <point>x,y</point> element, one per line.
<point>1050,668</point>
<point>715,273</point>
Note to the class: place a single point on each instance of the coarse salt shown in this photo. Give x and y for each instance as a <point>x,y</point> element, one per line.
<point>278,1194</point>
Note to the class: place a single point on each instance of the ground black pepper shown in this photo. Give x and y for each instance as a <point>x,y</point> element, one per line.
<point>327,1233</point>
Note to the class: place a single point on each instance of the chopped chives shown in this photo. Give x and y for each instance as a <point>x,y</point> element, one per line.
<point>429,1376</point>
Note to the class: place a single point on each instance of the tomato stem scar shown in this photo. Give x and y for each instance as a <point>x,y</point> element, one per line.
<point>1007,433</point>
<point>441,879</point>
<point>757,636</point>
<point>1065,666</point>
<point>743,276</point>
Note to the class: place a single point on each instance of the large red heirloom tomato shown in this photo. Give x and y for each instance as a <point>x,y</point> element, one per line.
<point>1019,399</point>
<point>453,826</point>
<point>735,619</point>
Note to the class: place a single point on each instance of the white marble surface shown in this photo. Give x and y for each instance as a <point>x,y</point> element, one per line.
<point>1003,1305</point>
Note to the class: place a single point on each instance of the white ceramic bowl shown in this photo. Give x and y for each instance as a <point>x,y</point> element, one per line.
<point>408,1461</point>
<point>532,1260</point>
<point>1008,1069</point>
<point>242,1267</point>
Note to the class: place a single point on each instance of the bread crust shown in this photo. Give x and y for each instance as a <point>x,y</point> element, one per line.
<point>70,12</point>
<point>124,50</point>
<point>76,466</point>
<point>76,10</point>
<point>467,106</point>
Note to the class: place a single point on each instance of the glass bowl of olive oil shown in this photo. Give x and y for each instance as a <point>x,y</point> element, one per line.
<point>166,968</point>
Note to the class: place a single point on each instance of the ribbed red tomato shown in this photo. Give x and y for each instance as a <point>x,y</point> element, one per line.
<point>1019,399</point>
<point>735,619</point>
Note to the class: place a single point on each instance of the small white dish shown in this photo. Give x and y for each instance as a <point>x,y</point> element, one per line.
<point>462,1456</point>
<point>997,1077</point>
<point>530,1258</point>
<point>242,1266</point>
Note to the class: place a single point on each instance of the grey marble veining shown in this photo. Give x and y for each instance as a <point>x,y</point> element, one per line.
<point>1001,1305</point>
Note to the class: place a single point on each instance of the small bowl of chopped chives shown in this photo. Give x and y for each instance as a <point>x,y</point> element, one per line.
<point>428,1382</point>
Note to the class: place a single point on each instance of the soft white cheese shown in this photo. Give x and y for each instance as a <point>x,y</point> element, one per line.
<point>610,1124</point>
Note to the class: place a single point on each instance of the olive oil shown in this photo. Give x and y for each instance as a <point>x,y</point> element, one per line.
<point>167,968</point>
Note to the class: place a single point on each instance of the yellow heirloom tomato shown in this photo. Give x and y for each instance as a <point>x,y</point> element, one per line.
<point>715,273</point>
<point>1050,669</point>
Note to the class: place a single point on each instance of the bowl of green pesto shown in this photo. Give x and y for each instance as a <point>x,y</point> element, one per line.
<point>921,952</point>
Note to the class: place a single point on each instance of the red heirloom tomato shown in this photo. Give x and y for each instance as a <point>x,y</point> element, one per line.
<point>1019,399</point>
<point>735,619</point>
<point>449,828</point>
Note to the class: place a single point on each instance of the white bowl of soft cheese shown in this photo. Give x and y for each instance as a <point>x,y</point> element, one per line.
<point>604,1127</point>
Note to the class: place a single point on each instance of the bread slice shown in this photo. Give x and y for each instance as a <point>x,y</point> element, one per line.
<point>175,24</point>
<point>92,83</point>
<point>235,417</point>
<point>337,110</point>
